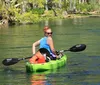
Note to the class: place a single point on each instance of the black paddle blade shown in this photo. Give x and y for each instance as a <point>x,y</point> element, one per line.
<point>77,48</point>
<point>9,61</point>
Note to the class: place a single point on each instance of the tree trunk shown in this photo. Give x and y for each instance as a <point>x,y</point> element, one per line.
<point>60,3</point>
<point>71,5</point>
<point>23,7</point>
<point>46,5</point>
<point>55,14</point>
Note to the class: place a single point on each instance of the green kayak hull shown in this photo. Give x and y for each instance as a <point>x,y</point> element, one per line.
<point>51,65</point>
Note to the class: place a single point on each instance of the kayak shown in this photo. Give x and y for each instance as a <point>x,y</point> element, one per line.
<point>51,65</point>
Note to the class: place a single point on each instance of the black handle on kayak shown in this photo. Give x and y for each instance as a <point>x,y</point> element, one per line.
<point>75,48</point>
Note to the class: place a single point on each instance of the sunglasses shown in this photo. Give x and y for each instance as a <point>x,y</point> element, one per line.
<point>49,33</point>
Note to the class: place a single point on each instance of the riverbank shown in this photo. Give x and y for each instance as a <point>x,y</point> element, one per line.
<point>5,23</point>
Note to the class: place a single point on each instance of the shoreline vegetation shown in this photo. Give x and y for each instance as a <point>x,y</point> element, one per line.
<point>16,12</point>
<point>45,16</point>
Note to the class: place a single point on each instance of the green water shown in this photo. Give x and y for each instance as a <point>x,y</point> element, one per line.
<point>82,68</point>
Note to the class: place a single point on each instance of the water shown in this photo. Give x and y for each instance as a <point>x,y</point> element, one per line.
<point>82,68</point>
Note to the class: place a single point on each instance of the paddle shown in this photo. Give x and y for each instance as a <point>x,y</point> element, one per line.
<point>76,48</point>
<point>11,61</point>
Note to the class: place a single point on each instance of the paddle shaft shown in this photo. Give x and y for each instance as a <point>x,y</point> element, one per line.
<point>75,48</point>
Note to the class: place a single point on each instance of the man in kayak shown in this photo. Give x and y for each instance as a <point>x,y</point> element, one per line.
<point>45,42</point>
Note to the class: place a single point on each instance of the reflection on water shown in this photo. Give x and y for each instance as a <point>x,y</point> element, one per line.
<point>78,21</point>
<point>38,79</point>
<point>41,78</point>
<point>82,68</point>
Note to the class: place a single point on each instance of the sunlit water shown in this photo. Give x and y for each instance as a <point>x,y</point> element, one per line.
<point>82,68</point>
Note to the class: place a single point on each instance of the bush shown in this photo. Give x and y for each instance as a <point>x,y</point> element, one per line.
<point>84,7</point>
<point>28,17</point>
<point>37,11</point>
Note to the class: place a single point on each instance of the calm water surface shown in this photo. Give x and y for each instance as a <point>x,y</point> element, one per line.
<point>82,68</point>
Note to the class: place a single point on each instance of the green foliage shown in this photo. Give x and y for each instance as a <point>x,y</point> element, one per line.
<point>38,11</point>
<point>27,17</point>
<point>34,9</point>
<point>49,13</point>
<point>84,7</point>
<point>65,5</point>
